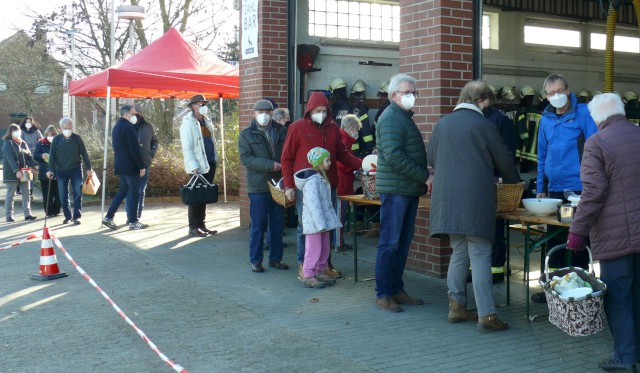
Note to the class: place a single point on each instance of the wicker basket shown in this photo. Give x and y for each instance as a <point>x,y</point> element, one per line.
<point>508,196</point>
<point>278,195</point>
<point>369,186</point>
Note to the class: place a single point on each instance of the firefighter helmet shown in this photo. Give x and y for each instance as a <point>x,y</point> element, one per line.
<point>359,86</point>
<point>527,90</point>
<point>508,92</point>
<point>337,83</point>
<point>384,88</point>
<point>629,96</point>
<point>595,93</point>
<point>543,94</point>
<point>584,93</point>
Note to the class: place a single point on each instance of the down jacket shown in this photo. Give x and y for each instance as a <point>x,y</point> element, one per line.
<point>318,214</point>
<point>464,149</point>
<point>609,208</point>
<point>304,135</point>
<point>402,158</point>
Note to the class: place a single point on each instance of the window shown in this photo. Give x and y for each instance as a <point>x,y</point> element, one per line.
<point>3,87</point>
<point>354,20</point>
<point>43,89</point>
<point>551,36</point>
<point>621,43</point>
<point>490,31</point>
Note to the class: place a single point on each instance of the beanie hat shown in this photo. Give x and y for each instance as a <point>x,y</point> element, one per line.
<point>317,155</point>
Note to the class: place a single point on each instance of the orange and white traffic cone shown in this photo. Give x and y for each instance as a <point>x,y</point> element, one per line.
<point>48,263</point>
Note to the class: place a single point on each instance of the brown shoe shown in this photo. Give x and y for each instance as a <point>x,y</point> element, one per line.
<point>326,279</point>
<point>374,231</point>
<point>404,298</point>
<point>458,312</point>
<point>312,282</point>
<point>491,323</point>
<point>330,271</point>
<point>387,304</point>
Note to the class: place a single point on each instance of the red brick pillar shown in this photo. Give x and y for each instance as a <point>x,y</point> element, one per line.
<point>436,49</point>
<point>263,76</point>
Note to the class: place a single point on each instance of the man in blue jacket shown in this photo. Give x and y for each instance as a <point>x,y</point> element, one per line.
<point>564,128</point>
<point>129,166</point>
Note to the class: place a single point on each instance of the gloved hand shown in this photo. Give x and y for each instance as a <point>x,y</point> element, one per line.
<point>576,242</point>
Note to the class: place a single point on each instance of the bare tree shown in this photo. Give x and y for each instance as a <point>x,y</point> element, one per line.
<point>202,21</point>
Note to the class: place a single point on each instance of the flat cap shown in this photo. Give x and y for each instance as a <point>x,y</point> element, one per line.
<point>262,105</point>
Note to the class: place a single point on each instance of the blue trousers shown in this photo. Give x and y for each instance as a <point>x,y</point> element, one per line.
<point>129,189</point>
<point>622,305</point>
<point>397,219</point>
<point>265,214</point>
<point>143,190</point>
<point>73,176</point>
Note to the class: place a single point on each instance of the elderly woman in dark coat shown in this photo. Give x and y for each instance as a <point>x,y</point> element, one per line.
<point>609,214</point>
<point>15,163</point>
<point>463,150</point>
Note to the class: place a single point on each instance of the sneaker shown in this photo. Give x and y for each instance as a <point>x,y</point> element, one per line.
<point>109,223</point>
<point>137,225</point>
<point>76,222</point>
<point>326,279</point>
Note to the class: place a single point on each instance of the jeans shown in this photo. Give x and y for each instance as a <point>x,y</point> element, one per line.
<point>477,251</point>
<point>265,214</point>
<point>299,235</point>
<point>198,213</point>
<point>317,253</point>
<point>622,305</point>
<point>397,218</point>
<point>75,177</point>
<point>143,189</point>
<point>129,188</point>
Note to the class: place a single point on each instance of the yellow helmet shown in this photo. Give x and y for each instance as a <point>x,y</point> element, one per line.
<point>629,96</point>
<point>359,86</point>
<point>527,90</point>
<point>508,92</point>
<point>384,88</point>
<point>542,94</point>
<point>337,83</point>
<point>584,93</point>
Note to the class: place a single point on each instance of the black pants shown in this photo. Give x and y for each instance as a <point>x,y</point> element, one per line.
<point>558,259</point>
<point>197,213</point>
<point>50,196</point>
<point>499,248</point>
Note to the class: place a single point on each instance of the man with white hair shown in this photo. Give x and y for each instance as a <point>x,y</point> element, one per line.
<point>66,157</point>
<point>608,213</point>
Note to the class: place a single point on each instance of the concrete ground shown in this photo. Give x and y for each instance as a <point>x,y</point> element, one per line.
<point>198,301</point>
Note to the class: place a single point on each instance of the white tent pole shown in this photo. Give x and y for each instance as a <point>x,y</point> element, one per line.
<point>106,145</point>
<point>224,158</point>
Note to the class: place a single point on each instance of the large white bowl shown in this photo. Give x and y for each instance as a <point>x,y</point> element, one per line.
<point>541,206</point>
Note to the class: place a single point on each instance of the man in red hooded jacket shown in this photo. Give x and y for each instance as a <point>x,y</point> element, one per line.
<point>316,128</point>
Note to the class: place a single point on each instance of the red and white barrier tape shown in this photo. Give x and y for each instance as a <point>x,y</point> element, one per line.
<point>176,367</point>
<point>28,238</point>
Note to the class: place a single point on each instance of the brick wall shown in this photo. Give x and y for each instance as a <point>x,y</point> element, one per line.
<point>436,49</point>
<point>265,75</point>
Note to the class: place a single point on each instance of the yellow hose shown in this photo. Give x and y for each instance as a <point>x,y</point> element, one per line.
<point>612,17</point>
<point>636,5</point>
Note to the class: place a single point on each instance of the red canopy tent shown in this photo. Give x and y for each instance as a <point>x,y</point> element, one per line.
<point>169,67</point>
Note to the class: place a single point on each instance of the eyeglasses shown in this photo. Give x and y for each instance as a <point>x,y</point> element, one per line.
<point>553,93</point>
<point>414,93</point>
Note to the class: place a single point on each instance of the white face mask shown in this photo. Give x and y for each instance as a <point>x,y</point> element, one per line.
<point>28,125</point>
<point>408,101</point>
<point>16,134</point>
<point>204,110</point>
<point>133,119</point>
<point>559,100</point>
<point>263,119</point>
<point>50,138</point>
<point>318,117</point>
<point>67,133</point>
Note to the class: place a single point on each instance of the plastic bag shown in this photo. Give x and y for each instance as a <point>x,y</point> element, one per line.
<point>567,282</point>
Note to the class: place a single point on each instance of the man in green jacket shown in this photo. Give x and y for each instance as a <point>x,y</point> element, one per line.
<point>401,179</point>
<point>260,147</point>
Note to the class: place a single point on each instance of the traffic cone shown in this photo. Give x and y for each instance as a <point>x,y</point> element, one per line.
<point>48,263</point>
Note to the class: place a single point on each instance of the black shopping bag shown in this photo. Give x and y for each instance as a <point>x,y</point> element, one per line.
<point>198,191</point>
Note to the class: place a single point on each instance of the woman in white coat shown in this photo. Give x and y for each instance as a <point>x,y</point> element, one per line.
<point>199,152</point>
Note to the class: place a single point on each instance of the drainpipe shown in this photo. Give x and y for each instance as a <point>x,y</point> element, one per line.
<point>291,70</point>
<point>477,39</point>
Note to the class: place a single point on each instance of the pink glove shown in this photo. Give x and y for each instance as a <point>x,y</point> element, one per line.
<point>576,242</point>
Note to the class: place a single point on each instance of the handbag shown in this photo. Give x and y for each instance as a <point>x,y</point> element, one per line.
<point>91,185</point>
<point>198,191</point>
